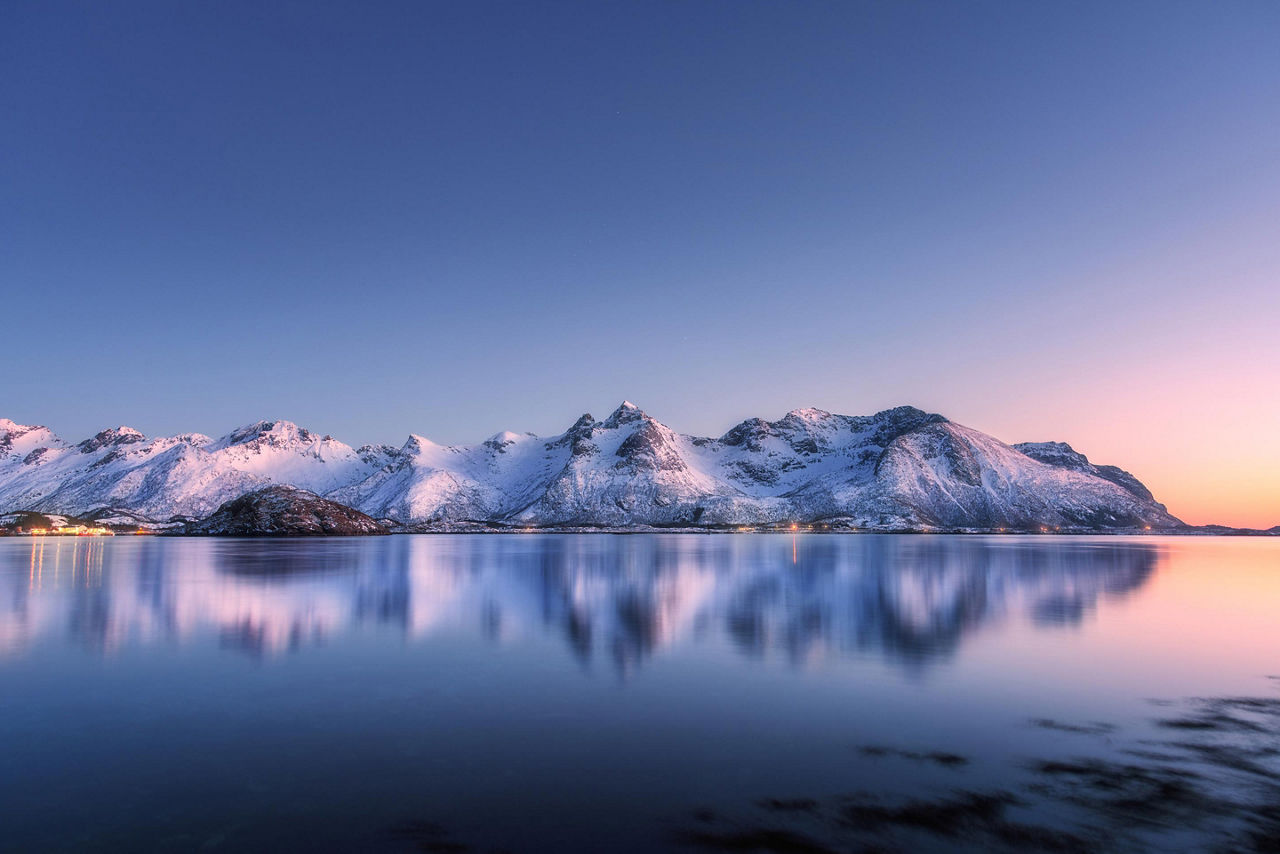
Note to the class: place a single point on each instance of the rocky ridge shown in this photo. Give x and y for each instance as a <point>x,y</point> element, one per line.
<point>900,469</point>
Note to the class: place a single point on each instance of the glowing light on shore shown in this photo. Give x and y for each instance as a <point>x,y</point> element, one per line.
<point>72,531</point>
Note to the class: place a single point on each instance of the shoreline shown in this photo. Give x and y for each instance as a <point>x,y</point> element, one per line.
<point>640,531</point>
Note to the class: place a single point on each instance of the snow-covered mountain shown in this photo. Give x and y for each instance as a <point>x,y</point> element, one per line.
<point>898,469</point>
<point>189,474</point>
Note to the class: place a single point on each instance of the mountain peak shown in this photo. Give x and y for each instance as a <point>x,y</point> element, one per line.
<point>417,444</point>
<point>908,412</point>
<point>121,435</point>
<point>13,428</point>
<point>499,441</point>
<point>809,413</point>
<point>24,438</point>
<point>278,425</point>
<point>624,414</point>
<point>279,429</point>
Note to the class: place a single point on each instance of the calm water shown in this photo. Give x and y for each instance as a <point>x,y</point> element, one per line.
<point>635,693</point>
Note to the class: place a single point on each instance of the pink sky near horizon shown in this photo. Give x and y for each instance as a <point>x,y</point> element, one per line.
<point>1202,477</point>
<point>1196,417</point>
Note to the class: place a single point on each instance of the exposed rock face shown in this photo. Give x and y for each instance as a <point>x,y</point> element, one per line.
<point>1064,456</point>
<point>284,511</point>
<point>900,469</point>
<point>111,438</point>
<point>20,439</point>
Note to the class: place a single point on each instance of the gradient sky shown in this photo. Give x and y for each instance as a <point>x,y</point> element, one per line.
<point>1047,221</point>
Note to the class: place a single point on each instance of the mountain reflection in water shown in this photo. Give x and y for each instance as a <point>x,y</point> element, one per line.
<point>615,600</point>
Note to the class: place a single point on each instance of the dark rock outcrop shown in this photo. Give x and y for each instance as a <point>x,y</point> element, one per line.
<point>284,511</point>
<point>1062,455</point>
<point>110,438</point>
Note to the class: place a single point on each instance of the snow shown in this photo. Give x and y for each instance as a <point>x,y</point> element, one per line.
<point>901,468</point>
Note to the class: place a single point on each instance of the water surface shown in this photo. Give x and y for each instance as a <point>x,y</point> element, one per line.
<point>633,693</point>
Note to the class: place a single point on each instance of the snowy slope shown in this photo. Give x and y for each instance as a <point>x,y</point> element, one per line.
<point>426,482</point>
<point>898,469</point>
<point>283,452</point>
<point>1062,455</point>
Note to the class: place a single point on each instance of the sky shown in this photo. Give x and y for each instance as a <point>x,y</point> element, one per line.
<point>1046,221</point>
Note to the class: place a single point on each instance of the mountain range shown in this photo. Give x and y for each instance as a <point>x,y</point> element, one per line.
<point>900,469</point>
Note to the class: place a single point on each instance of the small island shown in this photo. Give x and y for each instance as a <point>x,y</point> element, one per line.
<point>284,511</point>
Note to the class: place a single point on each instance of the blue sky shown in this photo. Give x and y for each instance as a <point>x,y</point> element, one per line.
<point>1044,220</point>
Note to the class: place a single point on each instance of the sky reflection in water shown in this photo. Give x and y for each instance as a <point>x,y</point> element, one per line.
<point>531,692</point>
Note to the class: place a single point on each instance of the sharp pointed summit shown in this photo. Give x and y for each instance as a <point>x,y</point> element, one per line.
<point>625,414</point>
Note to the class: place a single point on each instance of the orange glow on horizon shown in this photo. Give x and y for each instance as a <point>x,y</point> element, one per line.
<point>1203,441</point>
